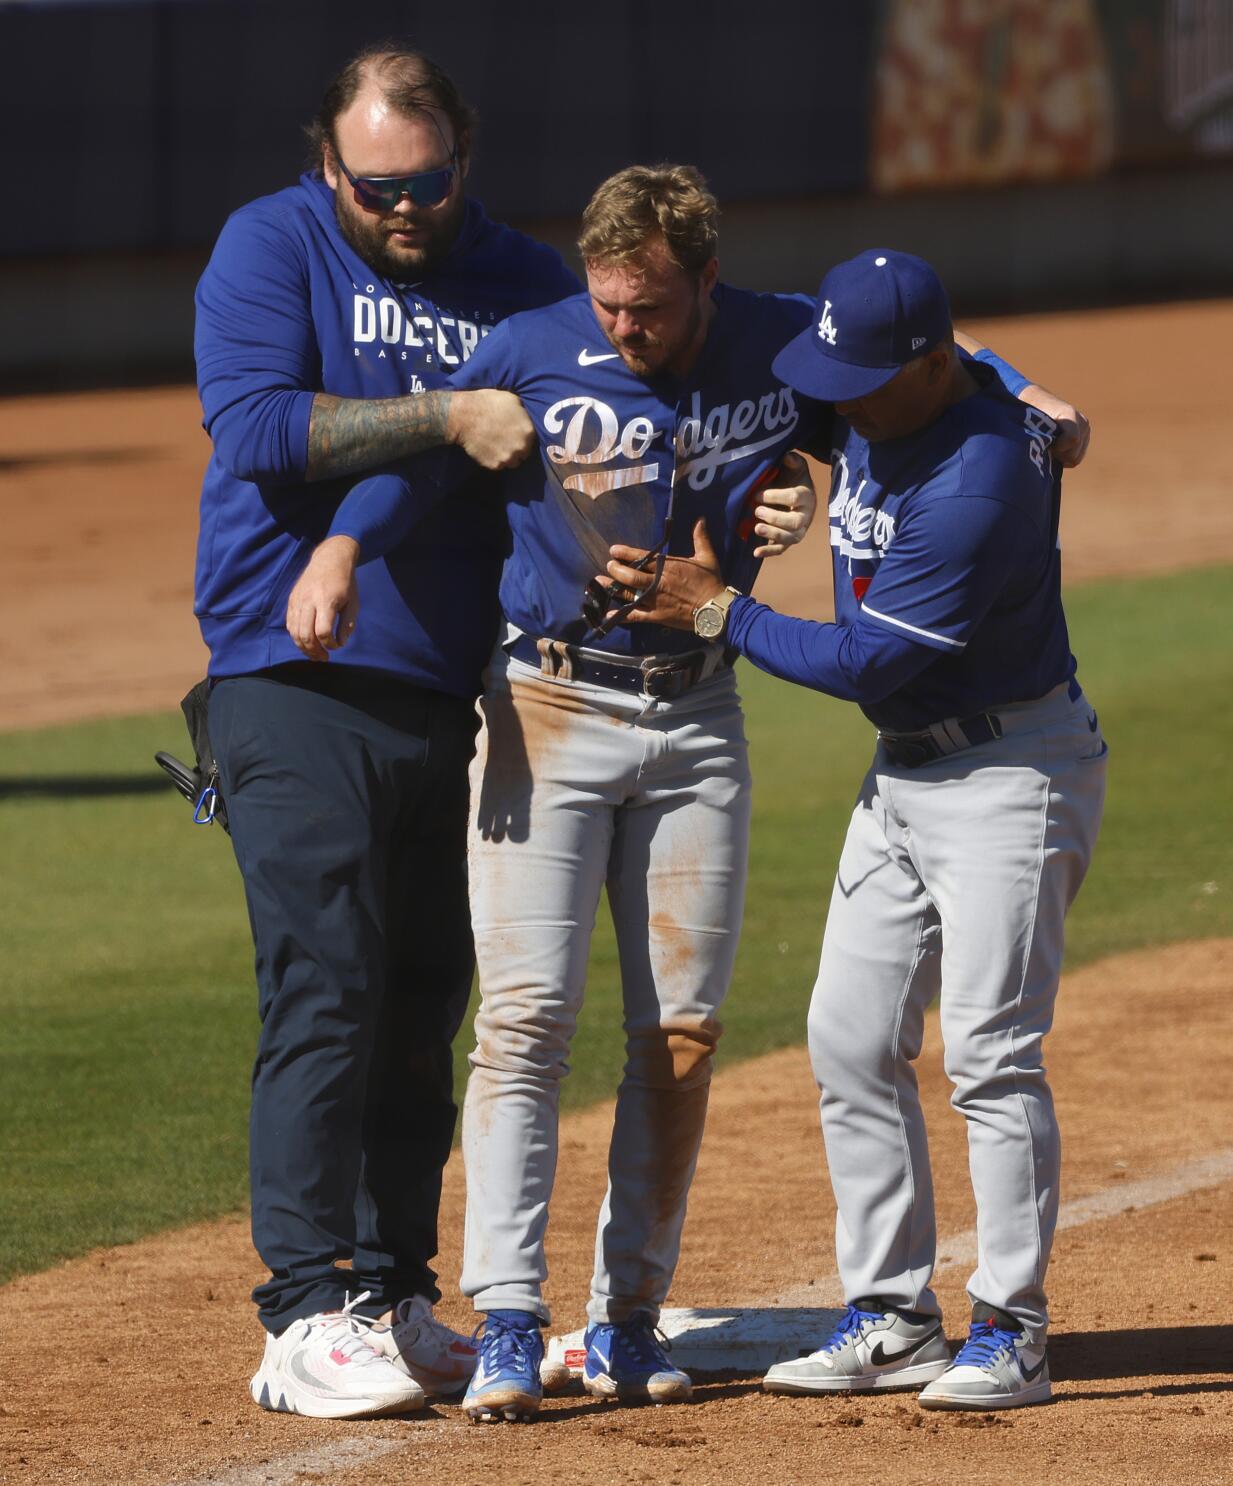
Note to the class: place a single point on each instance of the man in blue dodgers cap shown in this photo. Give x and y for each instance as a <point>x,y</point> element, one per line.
<point>970,836</point>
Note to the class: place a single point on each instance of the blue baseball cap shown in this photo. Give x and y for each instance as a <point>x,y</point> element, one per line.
<point>875,313</point>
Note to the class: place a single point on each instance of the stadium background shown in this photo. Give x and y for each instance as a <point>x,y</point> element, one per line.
<point>1064,162</point>
<point>1041,152</point>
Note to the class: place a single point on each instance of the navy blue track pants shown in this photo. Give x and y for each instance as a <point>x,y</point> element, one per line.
<point>347,793</point>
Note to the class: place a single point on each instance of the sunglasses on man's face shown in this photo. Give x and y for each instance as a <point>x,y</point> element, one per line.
<point>382,193</point>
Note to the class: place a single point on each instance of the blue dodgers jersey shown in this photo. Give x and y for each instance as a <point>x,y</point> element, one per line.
<point>948,537</point>
<point>285,309</point>
<point>613,446</point>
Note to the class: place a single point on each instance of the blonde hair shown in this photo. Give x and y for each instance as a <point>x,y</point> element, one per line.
<point>644,202</point>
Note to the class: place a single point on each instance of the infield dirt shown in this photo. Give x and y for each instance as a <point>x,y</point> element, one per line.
<point>131,1365</point>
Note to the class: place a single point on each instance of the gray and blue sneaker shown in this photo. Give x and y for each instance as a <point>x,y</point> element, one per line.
<point>506,1383</point>
<point>626,1360</point>
<point>872,1349</point>
<point>998,1367</point>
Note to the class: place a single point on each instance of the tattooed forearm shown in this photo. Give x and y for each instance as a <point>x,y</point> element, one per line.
<point>347,434</point>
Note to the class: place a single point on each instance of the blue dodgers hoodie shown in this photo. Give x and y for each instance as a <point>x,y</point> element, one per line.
<point>286,309</point>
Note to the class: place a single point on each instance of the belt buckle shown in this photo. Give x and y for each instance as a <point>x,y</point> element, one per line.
<point>910,753</point>
<point>663,682</point>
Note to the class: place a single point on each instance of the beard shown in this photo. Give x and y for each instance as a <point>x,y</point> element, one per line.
<point>642,360</point>
<point>649,355</point>
<point>372,238</point>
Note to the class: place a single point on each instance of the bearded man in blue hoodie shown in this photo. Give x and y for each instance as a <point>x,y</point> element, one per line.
<point>329,321</point>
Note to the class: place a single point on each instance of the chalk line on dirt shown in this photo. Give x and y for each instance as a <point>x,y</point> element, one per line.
<point>960,1248</point>
<point>324,1460</point>
<point>1110,1202</point>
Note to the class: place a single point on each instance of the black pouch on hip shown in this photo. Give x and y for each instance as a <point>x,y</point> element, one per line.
<point>200,784</point>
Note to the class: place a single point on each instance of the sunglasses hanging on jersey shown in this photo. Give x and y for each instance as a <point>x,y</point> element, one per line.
<point>597,597</point>
<point>382,193</point>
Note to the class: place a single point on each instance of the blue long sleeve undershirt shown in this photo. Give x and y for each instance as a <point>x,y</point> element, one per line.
<point>1011,378</point>
<point>382,510</point>
<point>861,663</point>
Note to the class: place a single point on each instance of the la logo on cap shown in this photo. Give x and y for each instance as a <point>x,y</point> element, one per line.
<point>891,305</point>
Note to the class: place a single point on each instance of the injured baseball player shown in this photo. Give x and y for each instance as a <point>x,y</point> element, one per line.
<point>611,753</point>
<point>971,833</point>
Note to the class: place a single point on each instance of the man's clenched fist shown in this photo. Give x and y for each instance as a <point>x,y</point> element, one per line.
<point>491,426</point>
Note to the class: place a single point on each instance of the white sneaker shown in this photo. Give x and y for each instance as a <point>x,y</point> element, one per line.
<point>867,1352</point>
<point>441,1361</point>
<point>996,1368</point>
<point>327,1367</point>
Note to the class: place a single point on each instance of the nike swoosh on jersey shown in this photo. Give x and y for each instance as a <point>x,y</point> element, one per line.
<point>880,1357</point>
<point>588,358</point>
<point>1092,723</point>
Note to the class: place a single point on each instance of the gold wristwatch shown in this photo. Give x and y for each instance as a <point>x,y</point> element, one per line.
<point>711,618</point>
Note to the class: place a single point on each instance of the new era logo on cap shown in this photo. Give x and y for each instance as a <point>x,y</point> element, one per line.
<point>892,306</point>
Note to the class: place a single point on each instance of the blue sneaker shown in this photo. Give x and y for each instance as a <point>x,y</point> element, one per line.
<point>996,1368</point>
<point>506,1382</point>
<point>626,1361</point>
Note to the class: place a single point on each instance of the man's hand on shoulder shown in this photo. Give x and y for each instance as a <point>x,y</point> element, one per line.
<point>1073,430</point>
<point>491,426</point>
<point>787,510</point>
<point>325,603</point>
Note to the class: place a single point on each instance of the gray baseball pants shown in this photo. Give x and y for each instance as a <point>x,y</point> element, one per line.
<point>575,787</point>
<point>955,879</point>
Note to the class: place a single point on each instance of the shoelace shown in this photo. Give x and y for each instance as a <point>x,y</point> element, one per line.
<point>426,1321</point>
<point>347,1333</point>
<point>849,1328</point>
<point>985,1342</point>
<point>507,1346</point>
<point>648,1345</point>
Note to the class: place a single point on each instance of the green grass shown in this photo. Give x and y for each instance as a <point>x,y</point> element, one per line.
<point>126,996</point>
<point>126,1014</point>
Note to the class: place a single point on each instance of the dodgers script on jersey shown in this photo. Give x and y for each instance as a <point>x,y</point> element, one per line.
<point>613,446</point>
